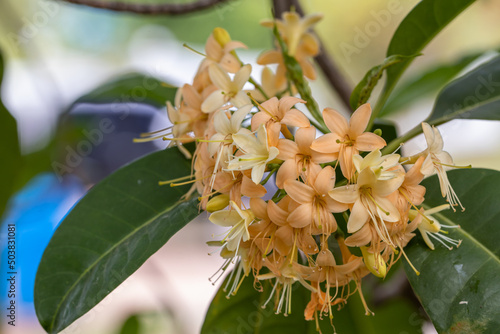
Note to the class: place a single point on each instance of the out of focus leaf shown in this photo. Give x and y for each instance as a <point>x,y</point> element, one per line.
<point>425,84</point>
<point>132,88</point>
<point>364,88</point>
<point>9,149</point>
<point>475,95</point>
<point>459,288</point>
<point>416,30</point>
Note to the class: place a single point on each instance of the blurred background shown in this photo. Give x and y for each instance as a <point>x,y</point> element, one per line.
<point>57,54</point>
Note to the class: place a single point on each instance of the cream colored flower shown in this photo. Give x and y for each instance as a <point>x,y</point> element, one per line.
<point>438,161</point>
<point>238,220</point>
<point>430,227</point>
<point>228,90</point>
<point>256,153</point>
<point>369,202</point>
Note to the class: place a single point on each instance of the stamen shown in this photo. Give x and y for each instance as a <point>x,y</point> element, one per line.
<point>195,51</point>
<point>161,183</point>
<point>408,260</point>
<point>147,134</point>
<point>274,118</point>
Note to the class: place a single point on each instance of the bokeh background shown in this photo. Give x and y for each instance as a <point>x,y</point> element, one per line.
<point>56,52</point>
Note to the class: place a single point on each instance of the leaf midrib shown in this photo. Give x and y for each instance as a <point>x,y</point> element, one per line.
<point>121,241</point>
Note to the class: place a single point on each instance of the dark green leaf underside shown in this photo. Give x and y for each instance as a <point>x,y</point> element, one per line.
<point>131,88</point>
<point>475,95</point>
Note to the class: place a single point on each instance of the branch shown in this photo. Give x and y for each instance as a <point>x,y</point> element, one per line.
<point>326,63</point>
<point>150,9</point>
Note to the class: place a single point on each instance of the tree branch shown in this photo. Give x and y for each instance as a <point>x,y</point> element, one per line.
<point>150,9</point>
<point>326,63</point>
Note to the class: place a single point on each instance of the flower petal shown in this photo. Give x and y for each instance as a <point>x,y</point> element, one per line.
<point>287,171</point>
<point>242,76</point>
<point>296,118</point>
<point>277,215</point>
<point>299,191</point>
<point>326,143</point>
<point>301,216</point>
<point>359,216</point>
<point>369,141</point>
<point>213,102</point>
<point>359,120</point>
<point>219,77</point>
<point>335,122</point>
<point>346,194</point>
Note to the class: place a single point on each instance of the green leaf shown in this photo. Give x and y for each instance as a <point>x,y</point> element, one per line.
<point>109,234</point>
<point>459,288</point>
<point>131,326</point>
<point>131,88</point>
<point>476,95</point>
<point>425,84</point>
<point>243,313</point>
<point>364,88</point>
<point>416,30</point>
<point>9,149</point>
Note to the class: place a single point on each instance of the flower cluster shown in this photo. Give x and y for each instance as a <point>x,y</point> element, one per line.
<point>251,141</point>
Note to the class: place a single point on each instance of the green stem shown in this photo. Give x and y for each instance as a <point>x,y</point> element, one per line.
<point>378,107</point>
<point>393,145</point>
<point>258,87</point>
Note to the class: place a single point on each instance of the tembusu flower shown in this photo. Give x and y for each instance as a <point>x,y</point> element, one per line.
<point>238,220</point>
<point>256,153</point>
<point>347,139</point>
<point>228,90</point>
<point>438,161</point>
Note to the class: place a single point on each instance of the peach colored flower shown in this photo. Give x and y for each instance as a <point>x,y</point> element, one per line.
<point>219,49</point>
<point>347,139</point>
<point>276,113</point>
<point>300,159</point>
<point>316,207</point>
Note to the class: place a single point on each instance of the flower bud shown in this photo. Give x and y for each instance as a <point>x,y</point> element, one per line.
<point>217,203</point>
<point>374,262</point>
<point>221,36</point>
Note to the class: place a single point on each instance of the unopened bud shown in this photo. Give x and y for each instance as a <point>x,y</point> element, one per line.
<point>221,36</point>
<point>217,203</point>
<point>378,132</point>
<point>374,262</point>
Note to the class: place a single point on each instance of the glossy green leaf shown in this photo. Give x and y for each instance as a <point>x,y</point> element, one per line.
<point>243,313</point>
<point>416,30</point>
<point>131,88</point>
<point>109,234</point>
<point>460,288</point>
<point>475,95</point>
<point>426,84</point>
<point>364,88</point>
<point>9,149</point>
